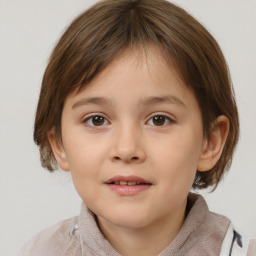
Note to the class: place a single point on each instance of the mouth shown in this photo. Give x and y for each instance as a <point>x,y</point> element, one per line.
<point>128,185</point>
<point>128,180</point>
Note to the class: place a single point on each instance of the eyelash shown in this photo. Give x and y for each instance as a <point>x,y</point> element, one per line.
<point>89,120</point>
<point>166,119</point>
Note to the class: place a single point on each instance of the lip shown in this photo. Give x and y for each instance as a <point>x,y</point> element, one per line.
<point>127,179</point>
<point>128,190</point>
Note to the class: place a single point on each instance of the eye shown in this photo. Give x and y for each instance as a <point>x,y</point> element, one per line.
<point>159,120</point>
<point>96,120</point>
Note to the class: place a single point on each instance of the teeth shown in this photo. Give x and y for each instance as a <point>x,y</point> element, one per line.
<point>132,183</point>
<point>129,183</point>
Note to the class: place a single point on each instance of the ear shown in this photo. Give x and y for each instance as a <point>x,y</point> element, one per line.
<point>58,151</point>
<point>214,144</point>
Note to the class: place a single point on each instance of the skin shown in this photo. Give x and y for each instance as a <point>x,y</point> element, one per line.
<point>127,140</point>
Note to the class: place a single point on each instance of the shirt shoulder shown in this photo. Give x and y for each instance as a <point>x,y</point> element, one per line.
<point>235,244</point>
<point>252,247</point>
<point>52,241</point>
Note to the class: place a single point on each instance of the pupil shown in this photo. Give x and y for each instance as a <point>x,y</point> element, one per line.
<point>158,120</point>
<point>98,120</point>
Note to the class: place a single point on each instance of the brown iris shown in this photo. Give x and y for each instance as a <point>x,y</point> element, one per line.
<point>159,120</point>
<point>98,120</point>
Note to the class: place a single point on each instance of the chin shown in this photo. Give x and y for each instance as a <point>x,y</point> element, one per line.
<point>128,220</point>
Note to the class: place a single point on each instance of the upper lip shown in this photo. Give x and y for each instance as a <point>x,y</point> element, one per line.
<point>127,179</point>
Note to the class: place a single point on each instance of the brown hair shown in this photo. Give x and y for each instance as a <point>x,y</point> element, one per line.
<point>101,33</point>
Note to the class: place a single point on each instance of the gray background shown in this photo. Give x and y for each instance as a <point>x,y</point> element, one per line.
<point>30,198</point>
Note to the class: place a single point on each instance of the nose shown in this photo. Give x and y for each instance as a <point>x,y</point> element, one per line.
<point>128,145</point>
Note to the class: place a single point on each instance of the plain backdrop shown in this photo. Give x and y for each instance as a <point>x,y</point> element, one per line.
<point>31,198</point>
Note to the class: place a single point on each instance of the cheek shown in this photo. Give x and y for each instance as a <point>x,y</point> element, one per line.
<point>83,151</point>
<point>85,169</point>
<point>177,157</point>
<point>85,156</point>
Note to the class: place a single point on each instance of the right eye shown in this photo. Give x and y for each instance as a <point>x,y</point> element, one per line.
<point>96,121</point>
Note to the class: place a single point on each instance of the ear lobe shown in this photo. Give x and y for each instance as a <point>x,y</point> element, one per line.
<point>58,151</point>
<point>214,144</point>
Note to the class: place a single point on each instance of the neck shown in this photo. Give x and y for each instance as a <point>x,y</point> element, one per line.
<point>148,240</point>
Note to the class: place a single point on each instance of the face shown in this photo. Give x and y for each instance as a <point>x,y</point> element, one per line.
<point>132,140</point>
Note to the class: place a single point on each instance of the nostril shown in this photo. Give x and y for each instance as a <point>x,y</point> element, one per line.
<point>134,158</point>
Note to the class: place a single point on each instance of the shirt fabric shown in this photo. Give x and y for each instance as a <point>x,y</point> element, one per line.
<point>202,233</point>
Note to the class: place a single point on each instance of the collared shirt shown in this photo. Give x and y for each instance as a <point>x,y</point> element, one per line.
<point>202,233</point>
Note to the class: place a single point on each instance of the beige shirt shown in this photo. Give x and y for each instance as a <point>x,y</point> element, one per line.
<point>202,233</point>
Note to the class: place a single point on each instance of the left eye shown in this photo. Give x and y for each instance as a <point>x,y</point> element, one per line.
<point>96,121</point>
<point>159,120</point>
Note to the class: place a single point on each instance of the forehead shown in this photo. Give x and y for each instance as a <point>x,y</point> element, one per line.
<point>146,64</point>
<point>139,77</point>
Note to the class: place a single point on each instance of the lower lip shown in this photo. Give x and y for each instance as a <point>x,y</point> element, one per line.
<point>126,190</point>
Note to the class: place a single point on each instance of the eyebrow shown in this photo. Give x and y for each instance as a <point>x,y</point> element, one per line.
<point>162,99</point>
<point>145,101</point>
<point>94,100</point>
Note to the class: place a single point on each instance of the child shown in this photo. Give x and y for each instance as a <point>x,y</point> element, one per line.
<point>136,102</point>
